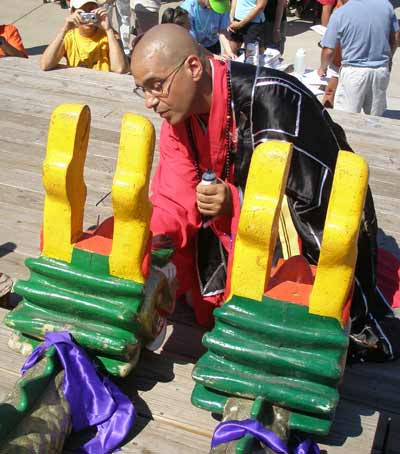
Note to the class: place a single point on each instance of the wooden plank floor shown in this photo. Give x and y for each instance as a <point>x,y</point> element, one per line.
<point>161,385</point>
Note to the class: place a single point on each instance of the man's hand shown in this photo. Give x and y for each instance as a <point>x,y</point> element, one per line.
<point>322,71</point>
<point>104,20</point>
<point>214,199</point>
<point>327,55</point>
<point>234,25</point>
<point>73,20</point>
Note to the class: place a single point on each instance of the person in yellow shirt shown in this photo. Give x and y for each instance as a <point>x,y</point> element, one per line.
<point>88,42</point>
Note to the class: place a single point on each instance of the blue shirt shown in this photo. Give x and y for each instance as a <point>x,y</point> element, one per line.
<point>362,28</point>
<point>243,7</point>
<point>205,24</point>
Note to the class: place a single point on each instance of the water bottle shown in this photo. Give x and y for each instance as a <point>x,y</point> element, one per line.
<point>252,53</point>
<point>208,177</point>
<point>300,62</point>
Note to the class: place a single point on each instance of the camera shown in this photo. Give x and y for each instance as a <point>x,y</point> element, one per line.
<point>2,40</point>
<point>89,18</point>
<point>252,53</point>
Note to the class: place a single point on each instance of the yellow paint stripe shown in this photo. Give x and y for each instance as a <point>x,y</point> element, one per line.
<point>287,232</point>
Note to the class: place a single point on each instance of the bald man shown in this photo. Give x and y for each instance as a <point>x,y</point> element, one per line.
<point>214,114</point>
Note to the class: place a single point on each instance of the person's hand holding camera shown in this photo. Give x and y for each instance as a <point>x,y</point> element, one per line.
<point>104,21</point>
<point>73,20</point>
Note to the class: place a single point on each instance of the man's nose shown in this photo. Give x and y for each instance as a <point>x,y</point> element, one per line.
<point>150,101</point>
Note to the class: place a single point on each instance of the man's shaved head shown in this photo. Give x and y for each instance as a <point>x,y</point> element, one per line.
<point>167,56</point>
<point>169,42</point>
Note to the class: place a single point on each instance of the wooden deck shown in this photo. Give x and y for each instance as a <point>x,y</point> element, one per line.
<point>161,385</point>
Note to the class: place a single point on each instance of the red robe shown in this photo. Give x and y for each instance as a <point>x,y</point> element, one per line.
<point>175,212</point>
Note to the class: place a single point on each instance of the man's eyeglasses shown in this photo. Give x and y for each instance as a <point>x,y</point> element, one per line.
<point>158,88</point>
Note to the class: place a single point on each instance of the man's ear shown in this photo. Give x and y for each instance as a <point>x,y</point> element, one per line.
<point>195,66</point>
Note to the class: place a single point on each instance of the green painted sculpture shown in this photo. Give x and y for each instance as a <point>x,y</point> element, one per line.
<point>95,284</point>
<point>278,348</point>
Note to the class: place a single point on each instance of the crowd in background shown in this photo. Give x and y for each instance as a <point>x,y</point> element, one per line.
<point>357,48</point>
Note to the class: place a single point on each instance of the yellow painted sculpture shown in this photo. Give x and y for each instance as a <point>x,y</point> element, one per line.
<point>96,284</point>
<point>258,225</point>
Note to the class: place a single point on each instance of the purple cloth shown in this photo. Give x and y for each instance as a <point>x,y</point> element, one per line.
<point>94,400</point>
<point>232,430</point>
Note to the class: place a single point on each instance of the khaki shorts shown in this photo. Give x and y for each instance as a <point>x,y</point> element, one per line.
<point>362,89</point>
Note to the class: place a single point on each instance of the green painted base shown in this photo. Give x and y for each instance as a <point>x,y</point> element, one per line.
<point>25,344</point>
<point>274,350</point>
<point>110,317</point>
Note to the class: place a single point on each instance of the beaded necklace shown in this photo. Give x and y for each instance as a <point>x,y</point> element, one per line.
<point>226,172</point>
<point>208,14</point>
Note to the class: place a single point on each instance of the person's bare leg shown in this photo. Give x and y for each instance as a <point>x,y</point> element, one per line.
<point>235,47</point>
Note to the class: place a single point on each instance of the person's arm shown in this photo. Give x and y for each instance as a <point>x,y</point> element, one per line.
<point>394,41</point>
<point>118,63</point>
<point>276,32</point>
<point>254,12</point>
<point>327,55</point>
<point>329,43</point>
<point>394,38</point>
<point>232,11</point>
<point>173,191</point>
<point>55,50</point>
